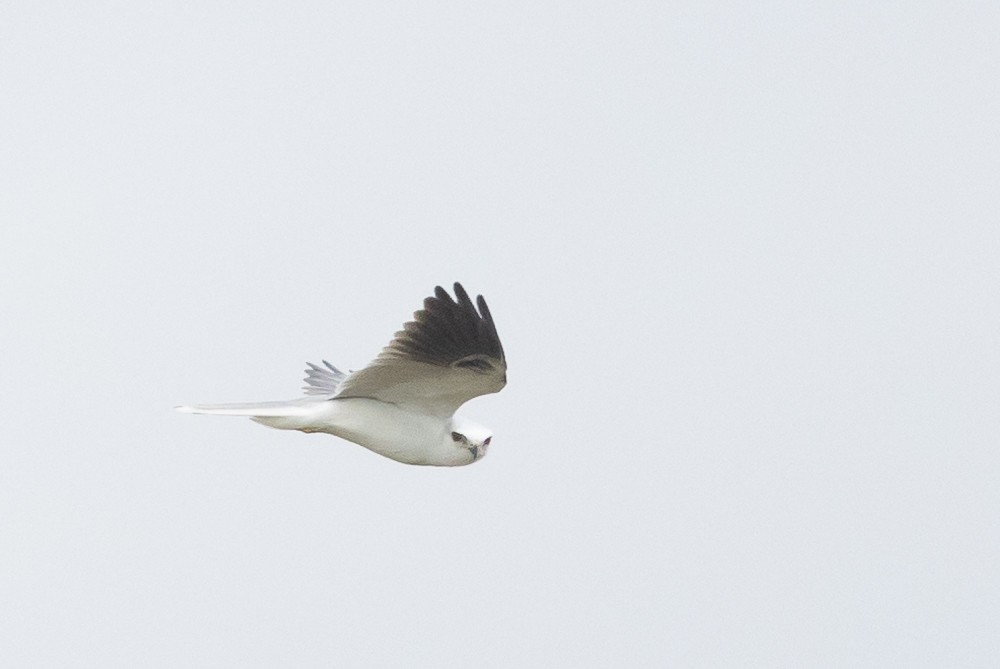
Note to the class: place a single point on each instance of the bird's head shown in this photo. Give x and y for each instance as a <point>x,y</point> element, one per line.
<point>470,437</point>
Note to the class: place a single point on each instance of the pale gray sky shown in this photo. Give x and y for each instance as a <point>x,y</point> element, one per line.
<point>743,260</point>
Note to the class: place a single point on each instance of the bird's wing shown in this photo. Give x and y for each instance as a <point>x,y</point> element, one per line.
<point>448,354</point>
<point>323,380</point>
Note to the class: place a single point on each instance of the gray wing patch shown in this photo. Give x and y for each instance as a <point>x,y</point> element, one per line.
<point>448,354</point>
<point>323,380</point>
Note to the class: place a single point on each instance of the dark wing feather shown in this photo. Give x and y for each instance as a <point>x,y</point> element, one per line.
<point>445,331</point>
<point>449,353</point>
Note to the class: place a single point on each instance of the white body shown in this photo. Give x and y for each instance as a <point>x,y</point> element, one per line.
<point>405,436</point>
<point>400,433</point>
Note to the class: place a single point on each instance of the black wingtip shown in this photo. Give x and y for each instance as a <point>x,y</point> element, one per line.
<point>463,297</point>
<point>483,309</point>
<point>442,294</point>
<point>448,329</point>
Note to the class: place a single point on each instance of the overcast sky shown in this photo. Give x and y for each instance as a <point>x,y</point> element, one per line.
<point>744,260</point>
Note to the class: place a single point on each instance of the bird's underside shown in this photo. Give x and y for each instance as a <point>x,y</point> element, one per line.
<point>402,405</point>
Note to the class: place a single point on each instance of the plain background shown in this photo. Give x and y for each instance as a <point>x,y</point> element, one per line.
<point>743,259</point>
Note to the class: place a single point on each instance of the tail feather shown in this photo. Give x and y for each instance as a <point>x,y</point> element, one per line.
<point>286,408</point>
<point>300,414</point>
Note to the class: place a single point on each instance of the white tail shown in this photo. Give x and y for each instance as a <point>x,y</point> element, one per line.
<point>294,414</point>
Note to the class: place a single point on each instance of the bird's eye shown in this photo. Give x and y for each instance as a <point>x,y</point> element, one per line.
<point>455,436</point>
<point>487,442</point>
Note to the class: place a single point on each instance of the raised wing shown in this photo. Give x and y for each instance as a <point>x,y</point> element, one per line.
<point>448,354</point>
<point>323,379</point>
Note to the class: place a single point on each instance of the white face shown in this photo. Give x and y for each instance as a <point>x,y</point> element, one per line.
<point>471,437</point>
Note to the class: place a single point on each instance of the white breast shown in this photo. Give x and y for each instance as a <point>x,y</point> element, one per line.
<point>390,430</point>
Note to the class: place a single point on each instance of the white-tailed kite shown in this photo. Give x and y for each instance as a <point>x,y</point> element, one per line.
<point>402,405</point>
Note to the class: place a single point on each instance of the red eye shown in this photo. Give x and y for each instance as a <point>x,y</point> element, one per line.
<point>487,442</point>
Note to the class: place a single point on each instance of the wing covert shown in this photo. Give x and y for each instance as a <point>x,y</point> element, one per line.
<point>449,353</point>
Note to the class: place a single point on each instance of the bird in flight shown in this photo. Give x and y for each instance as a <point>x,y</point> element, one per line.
<point>403,404</point>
